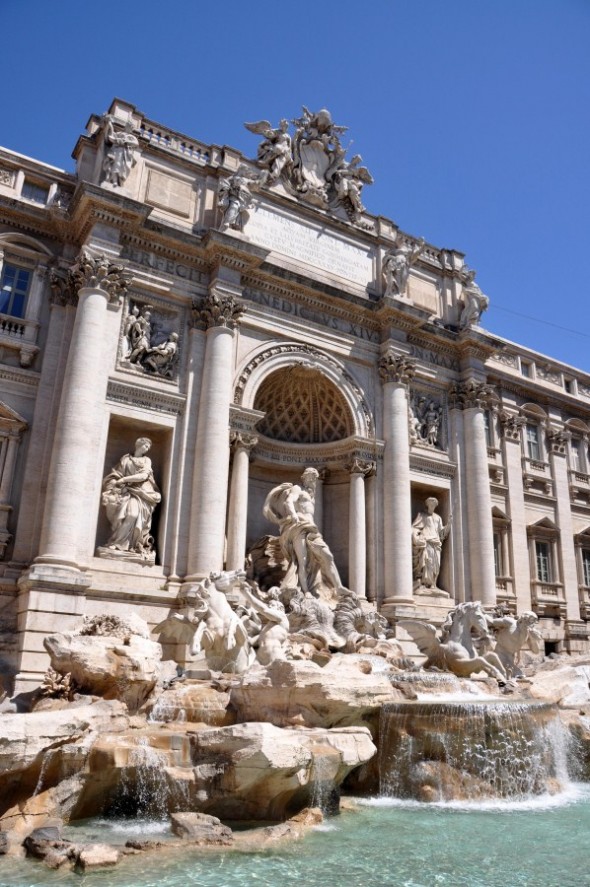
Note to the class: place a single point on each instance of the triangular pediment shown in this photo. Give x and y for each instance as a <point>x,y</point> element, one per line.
<point>10,416</point>
<point>544,524</point>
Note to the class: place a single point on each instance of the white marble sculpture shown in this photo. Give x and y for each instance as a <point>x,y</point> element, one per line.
<point>512,634</point>
<point>396,267</point>
<point>451,652</point>
<point>234,199</point>
<point>311,565</point>
<point>312,618</point>
<point>428,535</point>
<point>120,152</point>
<point>208,624</point>
<point>161,359</point>
<point>424,421</point>
<point>474,301</point>
<point>138,332</point>
<point>274,152</point>
<point>270,641</point>
<point>129,496</point>
<point>312,163</point>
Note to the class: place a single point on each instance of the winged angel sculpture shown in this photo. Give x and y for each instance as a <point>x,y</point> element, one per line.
<point>312,164</point>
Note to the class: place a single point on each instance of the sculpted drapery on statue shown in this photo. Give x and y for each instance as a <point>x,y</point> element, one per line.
<point>311,565</point>
<point>120,152</point>
<point>428,535</point>
<point>130,495</point>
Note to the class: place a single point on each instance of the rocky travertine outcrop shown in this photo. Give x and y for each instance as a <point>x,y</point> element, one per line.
<point>194,701</point>
<point>566,682</point>
<point>302,693</point>
<point>108,666</point>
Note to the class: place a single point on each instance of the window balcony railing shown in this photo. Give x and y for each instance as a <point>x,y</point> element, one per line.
<point>548,598</point>
<point>21,335</point>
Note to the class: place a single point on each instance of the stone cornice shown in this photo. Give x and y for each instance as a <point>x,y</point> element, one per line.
<point>442,467</point>
<point>142,397</point>
<point>339,453</point>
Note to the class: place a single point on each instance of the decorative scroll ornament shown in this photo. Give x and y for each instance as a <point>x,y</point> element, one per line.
<point>472,394</point>
<point>511,425</point>
<point>219,310</point>
<point>396,368</point>
<point>100,273</point>
<point>311,163</point>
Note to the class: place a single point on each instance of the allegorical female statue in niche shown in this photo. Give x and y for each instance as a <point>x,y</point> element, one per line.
<point>129,496</point>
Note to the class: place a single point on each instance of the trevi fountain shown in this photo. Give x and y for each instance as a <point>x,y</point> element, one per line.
<point>294,555</point>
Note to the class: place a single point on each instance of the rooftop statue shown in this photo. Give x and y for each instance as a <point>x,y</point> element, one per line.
<point>474,301</point>
<point>234,199</point>
<point>311,164</point>
<point>120,152</point>
<point>274,152</point>
<point>396,266</point>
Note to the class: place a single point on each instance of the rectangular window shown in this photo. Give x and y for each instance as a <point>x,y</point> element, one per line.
<point>575,455</point>
<point>525,369</point>
<point>543,562</point>
<point>586,566</point>
<point>32,191</point>
<point>532,442</point>
<point>498,554</point>
<point>568,385</point>
<point>14,287</point>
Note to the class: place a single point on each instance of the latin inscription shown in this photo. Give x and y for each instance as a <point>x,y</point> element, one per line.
<point>313,246</point>
<point>159,263</point>
<point>312,315</point>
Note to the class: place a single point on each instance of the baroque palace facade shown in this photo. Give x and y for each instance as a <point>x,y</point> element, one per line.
<point>241,320</point>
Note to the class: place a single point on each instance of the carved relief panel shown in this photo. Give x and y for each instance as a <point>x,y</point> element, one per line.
<point>150,339</point>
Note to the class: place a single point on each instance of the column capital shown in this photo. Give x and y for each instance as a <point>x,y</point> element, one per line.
<point>472,394</point>
<point>63,290</point>
<point>243,439</point>
<point>396,368</point>
<point>510,423</point>
<point>218,309</point>
<point>99,273</point>
<point>361,466</point>
<point>557,439</point>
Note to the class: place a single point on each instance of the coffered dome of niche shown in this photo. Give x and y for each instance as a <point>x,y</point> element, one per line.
<point>302,406</point>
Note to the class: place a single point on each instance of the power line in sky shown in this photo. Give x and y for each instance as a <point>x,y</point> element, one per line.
<point>556,326</point>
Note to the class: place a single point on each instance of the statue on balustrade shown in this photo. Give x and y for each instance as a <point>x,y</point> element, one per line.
<point>474,301</point>
<point>310,563</point>
<point>130,495</point>
<point>428,535</point>
<point>396,266</point>
<point>120,152</point>
<point>234,199</point>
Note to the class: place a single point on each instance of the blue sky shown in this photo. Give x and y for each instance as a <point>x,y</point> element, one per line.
<point>472,115</point>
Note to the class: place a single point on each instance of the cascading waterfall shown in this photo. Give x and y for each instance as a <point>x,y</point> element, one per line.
<point>441,751</point>
<point>143,790</point>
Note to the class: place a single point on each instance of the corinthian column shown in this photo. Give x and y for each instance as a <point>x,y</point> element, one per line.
<point>357,528</point>
<point>473,397</point>
<point>237,519</point>
<point>396,371</point>
<point>67,535</point>
<point>220,314</point>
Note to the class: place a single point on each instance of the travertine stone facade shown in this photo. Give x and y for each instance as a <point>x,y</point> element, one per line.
<point>251,319</point>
